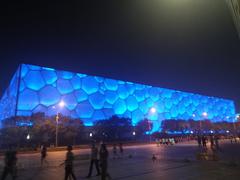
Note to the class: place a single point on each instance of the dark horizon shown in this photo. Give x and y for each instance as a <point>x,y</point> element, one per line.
<point>191,46</point>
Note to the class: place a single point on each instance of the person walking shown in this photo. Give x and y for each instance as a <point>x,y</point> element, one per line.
<point>204,141</point>
<point>94,160</point>
<point>114,151</point>
<point>43,154</point>
<point>10,167</point>
<point>216,138</point>
<point>69,164</point>
<point>121,149</point>
<point>212,141</point>
<point>104,162</point>
<point>199,140</point>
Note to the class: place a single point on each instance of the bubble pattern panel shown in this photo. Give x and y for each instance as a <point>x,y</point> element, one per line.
<point>93,98</point>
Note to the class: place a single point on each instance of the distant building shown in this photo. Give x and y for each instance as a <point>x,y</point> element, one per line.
<point>91,98</point>
<point>234,6</point>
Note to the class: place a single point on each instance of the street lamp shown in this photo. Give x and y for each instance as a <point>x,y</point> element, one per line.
<point>152,111</point>
<point>28,137</point>
<point>61,105</point>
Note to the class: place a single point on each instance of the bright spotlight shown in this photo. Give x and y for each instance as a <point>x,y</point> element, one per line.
<point>62,104</point>
<point>153,110</point>
<point>205,114</point>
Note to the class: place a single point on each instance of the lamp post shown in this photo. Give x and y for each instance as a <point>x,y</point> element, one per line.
<point>57,118</point>
<point>61,105</point>
<point>204,114</point>
<point>152,111</point>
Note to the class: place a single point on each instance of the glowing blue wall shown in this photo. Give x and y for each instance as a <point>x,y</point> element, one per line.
<point>9,98</point>
<point>93,98</point>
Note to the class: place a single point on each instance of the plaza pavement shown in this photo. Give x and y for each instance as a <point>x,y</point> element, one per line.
<point>174,162</point>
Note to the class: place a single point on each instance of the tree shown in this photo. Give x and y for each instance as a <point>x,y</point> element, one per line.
<point>143,126</point>
<point>115,128</point>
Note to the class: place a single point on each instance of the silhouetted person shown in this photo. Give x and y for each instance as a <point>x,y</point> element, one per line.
<point>204,141</point>
<point>69,164</point>
<point>10,167</point>
<point>212,141</point>
<point>114,151</point>
<point>154,158</point>
<point>199,140</point>
<point>43,154</point>
<point>103,153</point>
<point>94,160</point>
<point>216,138</point>
<point>121,149</point>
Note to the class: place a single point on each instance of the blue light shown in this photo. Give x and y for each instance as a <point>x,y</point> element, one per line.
<point>34,80</point>
<point>64,86</point>
<point>89,85</point>
<point>49,96</point>
<point>49,76</point>
<point>111,84</point>
<point>92,98</point>
<point>119,107</point>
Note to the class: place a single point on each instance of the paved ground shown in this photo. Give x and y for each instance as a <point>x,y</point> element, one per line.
<point>171,164</point>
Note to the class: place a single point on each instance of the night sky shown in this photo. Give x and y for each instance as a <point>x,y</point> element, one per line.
<point>188,45</point>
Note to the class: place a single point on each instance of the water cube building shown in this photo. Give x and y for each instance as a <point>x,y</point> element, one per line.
<point>91,98</point>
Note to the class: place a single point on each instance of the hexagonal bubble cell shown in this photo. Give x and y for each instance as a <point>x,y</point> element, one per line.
<point>89,84</point>
<point>98,115</point>
<point>122,91</point>
<point>81,95</point>
<point>84,110</point>
<point>111,96</point>
<point>143,107</point>
<point>97,100</point>
<point>174,112</point>
<point>34,80</point>
<point>132,103</point>
<point>49,96</point>
<point>167,93</point>
<point>119,106</point>
<point>28,100</point>
<point>137,116</point>
<point>140,95</point>
<point>24,70</point>
<point>64,86</point>
<point>70,101</point>
<point>49,76</point>
<point>111,84</point>
<point>130,87</point>
<point>65,74</point>
<point>154,94</point>
<point>76,82</point>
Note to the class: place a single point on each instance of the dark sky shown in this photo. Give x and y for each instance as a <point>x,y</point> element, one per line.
<point>188,45</point>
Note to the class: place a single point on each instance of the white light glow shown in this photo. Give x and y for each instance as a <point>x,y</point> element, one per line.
<point>205,114</point>
<point>153,110</point>
<point>62,104</point>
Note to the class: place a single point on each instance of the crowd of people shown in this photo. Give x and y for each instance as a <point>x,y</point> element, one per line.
<point>98,157</point>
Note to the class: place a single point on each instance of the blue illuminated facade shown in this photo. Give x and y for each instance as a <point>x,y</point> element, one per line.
<point>92,98</point>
